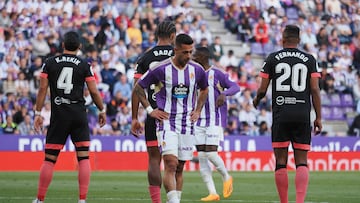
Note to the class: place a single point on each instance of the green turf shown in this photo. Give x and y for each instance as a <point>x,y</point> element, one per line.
<point>124,187</point>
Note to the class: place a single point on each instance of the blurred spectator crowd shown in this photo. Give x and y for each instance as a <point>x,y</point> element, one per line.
<point>116,32</point>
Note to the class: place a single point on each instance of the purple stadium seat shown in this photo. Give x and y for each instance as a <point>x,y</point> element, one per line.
<point>338,113</point>
<point>325,99</point>
<point>257,48</point>
<point>159,3</point>
<point>335,100</point>
<point>348,109</point>
<point>347,100</point>
<point>292,13</point>
<point>326,113</point>
<point>269,48</point>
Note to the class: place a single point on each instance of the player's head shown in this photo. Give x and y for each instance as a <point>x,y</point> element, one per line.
<point>202,56</point>
<point>291,35</point>
<point>71,41</point>
<point>165,30</point>
<point>183,49</point>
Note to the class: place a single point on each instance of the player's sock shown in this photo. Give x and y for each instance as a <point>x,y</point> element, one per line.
<point>155,193</point>
<point>84,178</point>
<point>206,173</point>
<point>179,192</point>
<point>281,180</point>
<point>301,182</point>
<point>219,164</point>
<point>46,174</point>
<point>172,197</point>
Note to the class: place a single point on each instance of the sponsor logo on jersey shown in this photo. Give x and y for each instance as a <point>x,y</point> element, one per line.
<point>61,100</point>
<point>280,100</point>
<point>180,91</point>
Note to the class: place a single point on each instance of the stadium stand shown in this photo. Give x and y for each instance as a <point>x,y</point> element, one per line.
<point>116,33</point>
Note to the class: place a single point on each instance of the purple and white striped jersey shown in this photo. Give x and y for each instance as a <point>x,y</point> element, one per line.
<point>219,83</point>
<point>176,92</point>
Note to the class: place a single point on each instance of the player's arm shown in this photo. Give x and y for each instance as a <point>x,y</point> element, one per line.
<point>95,95</point>
<point>315,93</point>
<point>203,94</point>
<point>43,87</point>
<point>231,89</point>
<point>134,103</point>
<point>265,81</point>
<point>155,113</point>
<point>150,77</point>
<point>136,128</point>
<point>202,83</point>
<point>202,97</point>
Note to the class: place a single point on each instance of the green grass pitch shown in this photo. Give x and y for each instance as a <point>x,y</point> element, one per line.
<point>128,187</point>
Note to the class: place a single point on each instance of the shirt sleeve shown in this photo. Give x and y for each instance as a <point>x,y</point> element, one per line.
<point>231,87</point>
<point>44,69</point>
<point>150,77</point>
<point>265,71</point>
<point>89,74</point>
<point>201,78</point>
<point>314,73</point>
<point>140,68</point>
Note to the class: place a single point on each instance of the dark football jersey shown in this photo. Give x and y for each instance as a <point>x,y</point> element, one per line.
<point>66,75</point>
<point>149,59</point>
<point>290,70</point>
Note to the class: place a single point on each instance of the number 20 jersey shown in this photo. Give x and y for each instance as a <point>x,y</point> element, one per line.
<point>290,70</point>
<point>66,75</point>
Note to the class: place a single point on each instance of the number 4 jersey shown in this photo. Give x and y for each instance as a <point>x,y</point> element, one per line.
<point>290,71</point>
<point>66,75</point>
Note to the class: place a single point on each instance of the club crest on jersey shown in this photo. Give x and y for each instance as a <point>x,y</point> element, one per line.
<point>180,91</point>
<point>192,76</point>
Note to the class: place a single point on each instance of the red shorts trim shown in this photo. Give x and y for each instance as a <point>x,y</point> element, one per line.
<point>264,75</point>
<point>153,143</point>
<point>54,146</point>
<point>82,144</point>
<point>281,144</point>
<point>301,146</point>
<point>43,75</point>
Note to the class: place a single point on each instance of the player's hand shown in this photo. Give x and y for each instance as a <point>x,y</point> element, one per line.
<point>102,119</point>
<point>317,126</point>
<point>194,116</point>
<point>255,102</point>
<point>160,115</point>
<point>136,128</point>
<point>220,100</point>
<point>38,123</point>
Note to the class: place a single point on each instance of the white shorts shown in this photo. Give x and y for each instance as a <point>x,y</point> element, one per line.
<point>211,135</point>
<point>179,145</point>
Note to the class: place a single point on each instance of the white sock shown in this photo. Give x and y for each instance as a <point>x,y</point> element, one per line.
<point>219,164</point>
<point>179,194</point>
<point>172,197</point>
<point>206,173</point>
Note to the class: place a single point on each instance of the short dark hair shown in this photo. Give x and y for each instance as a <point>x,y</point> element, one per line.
<point>291,31</point>
<point>71,41</point>
<point>165,29</point>
<point>204,51</point>
<point>183,39</point>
